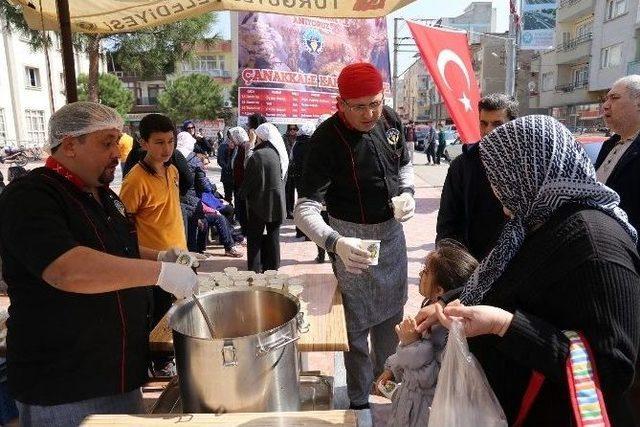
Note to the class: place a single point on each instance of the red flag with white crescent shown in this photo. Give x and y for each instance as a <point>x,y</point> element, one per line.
<point>447,57</point>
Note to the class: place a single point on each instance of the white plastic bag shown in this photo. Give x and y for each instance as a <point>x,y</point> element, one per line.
<point>463,395</point>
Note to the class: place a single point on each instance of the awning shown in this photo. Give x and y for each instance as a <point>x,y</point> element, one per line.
<point>113,16</point>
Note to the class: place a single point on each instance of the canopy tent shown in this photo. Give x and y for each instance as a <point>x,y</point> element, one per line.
<point>112,16</point>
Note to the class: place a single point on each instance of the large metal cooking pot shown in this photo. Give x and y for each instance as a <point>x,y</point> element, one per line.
<point>251,365</point>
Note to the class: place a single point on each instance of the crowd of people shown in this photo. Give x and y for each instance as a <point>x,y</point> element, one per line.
<point>536,251</point>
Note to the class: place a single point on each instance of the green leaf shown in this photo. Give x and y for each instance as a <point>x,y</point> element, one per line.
<point>111,92</point>
<point>195,96</point>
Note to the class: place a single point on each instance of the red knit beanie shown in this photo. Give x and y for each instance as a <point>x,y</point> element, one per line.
<point>358,80</point>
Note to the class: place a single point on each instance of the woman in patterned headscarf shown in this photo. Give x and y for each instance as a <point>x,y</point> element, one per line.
<point>566,260</point>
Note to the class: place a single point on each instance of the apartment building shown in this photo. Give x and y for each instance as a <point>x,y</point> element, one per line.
<point>413,97</point>
<point>25,79</point>
<point>596,43</point>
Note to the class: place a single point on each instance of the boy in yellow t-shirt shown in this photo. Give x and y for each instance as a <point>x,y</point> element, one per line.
<point>150,194</point>
<point>150,190</point>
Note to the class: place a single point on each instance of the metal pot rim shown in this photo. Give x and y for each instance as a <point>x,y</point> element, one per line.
<point>260,335</point>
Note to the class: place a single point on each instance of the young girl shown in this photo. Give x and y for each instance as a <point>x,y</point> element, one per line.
<point>416,363</point>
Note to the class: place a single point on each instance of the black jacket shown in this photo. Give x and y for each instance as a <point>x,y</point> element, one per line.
<point>356,173</point>
<point>625,178</point>
<point>263,186</point>
<point>469,211</point>
<point>299,156</point>
<point>579,272</point>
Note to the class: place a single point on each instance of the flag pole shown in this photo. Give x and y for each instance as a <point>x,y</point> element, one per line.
<point>70,85</point>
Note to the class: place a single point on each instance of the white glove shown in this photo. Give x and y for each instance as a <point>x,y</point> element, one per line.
<point>177,279</point>
<point>404,207</point>
<point>354,258</point>
<point>190,259</point>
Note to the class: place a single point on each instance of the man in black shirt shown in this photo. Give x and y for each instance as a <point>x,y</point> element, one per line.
<point>357,163</point>
<point>469,211</point>
<point>78,281</point>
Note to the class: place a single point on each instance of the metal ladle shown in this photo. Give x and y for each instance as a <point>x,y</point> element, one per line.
<point>204,314</point>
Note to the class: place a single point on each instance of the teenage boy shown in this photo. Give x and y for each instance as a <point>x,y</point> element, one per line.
<point>151,196</point>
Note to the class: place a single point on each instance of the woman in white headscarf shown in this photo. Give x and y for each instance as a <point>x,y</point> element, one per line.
<point>566,261</point>
<point>263,188</point>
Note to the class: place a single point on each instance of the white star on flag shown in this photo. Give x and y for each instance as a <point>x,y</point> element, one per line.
<point>465,101</point>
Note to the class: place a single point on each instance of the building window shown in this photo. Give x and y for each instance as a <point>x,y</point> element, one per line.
<point>3,129</point>
<point>221,63</point>
<point>62,83</point>
<point>615,8</point>
<point>32,76</point>
<point>580,77</point>
<point>35,126</point>
<point>611,56</point>
<point>583,29</point>
<point>547,81</point>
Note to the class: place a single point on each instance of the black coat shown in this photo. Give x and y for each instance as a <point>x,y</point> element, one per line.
<point>625,177</point>
<point>263,186</point>
<point>579,272</point>
<point>469,211</point>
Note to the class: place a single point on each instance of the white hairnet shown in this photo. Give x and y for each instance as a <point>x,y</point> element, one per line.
<point>239,135</point>
<point>185,143</point>
<point>268,132</point>
<point>81,118</point>
<point>307,129</point>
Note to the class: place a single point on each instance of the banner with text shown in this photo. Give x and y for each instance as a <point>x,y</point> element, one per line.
<point>288,65</point>
<point>538,24</point>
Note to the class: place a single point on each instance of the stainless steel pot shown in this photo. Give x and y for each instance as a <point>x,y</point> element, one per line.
<point>251,365</point>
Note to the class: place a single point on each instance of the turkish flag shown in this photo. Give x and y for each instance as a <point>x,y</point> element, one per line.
<point>447,57</point>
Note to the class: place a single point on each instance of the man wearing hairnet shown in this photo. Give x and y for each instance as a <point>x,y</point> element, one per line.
<point>80,286</point>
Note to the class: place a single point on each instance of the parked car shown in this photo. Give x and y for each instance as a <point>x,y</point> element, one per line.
<point>451,134</point>
<point>592,145</point>
<point>421,135</point>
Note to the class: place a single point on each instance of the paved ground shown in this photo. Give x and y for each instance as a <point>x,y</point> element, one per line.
<point>298,256</point>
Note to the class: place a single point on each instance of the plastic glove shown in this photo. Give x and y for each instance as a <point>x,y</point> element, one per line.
<point>191,259</point>
<point>177,279</point>
<point>407,207</point>
<point>354,258</point>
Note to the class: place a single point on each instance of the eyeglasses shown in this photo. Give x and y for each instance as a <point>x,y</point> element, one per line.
<point>190,127</point>
<point>361,108</point>
<point>292,129</point>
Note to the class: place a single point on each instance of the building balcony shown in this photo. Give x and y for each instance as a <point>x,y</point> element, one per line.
<point>633,67</point>
<point>571,87</point>
<point>574,50</point>
<point>569,10</point>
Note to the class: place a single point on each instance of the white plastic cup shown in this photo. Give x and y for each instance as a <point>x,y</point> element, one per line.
<point>230,270</point>
<point>373,247</point>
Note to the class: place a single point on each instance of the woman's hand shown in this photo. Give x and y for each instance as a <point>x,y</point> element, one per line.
<point>427,317</point>
<point>477,319</point>
<point>407,332</point>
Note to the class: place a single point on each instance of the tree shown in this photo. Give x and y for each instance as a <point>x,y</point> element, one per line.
<point>146,52</point>
<point>110,92</point>
<point>233,93</point>
<point>195,96</point>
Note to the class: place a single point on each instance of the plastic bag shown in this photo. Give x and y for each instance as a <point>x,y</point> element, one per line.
<point>463,396</point>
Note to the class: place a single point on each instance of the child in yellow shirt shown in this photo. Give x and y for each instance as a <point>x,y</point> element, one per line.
<point>151,195</point>
<point>150,190</point>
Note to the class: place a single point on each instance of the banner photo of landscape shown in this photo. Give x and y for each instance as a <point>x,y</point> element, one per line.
<point>114,16</point>
<point>288,65</point>
<point>538,24</point>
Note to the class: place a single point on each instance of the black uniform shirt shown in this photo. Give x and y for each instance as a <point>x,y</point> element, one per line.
<point>64,347</point>
<point>356,173</point>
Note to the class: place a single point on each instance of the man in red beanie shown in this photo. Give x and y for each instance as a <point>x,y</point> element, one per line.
<point>359,166</point>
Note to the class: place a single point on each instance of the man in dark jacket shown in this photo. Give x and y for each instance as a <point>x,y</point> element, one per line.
<point>618,164</point>
<point>469,211</point>
<point>289,139</point>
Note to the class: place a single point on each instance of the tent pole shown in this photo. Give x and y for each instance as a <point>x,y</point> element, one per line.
<point>68,64</point>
